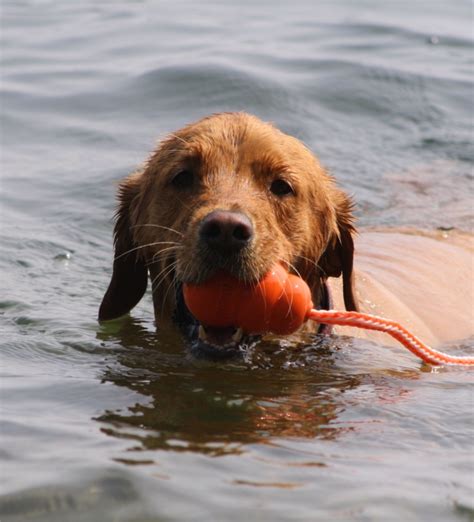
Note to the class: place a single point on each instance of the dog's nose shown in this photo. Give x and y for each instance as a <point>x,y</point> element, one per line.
<point>226,230</point>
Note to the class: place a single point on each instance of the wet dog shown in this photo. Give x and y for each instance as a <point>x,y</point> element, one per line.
<point>233,193</point>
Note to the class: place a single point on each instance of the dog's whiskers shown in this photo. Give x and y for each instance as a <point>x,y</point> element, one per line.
<point>290,304</point>
<point>293,267</point>
<point>162,254</point>
<point>170,285</point>
<point>159,226</point>
<point>313,262</point>
<point>162,275</point>
<point>145,246</point>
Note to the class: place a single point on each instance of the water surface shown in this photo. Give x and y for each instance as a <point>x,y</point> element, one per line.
<point>119,422</point>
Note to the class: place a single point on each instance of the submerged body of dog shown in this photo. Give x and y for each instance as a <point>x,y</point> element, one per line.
<point>233,193</point>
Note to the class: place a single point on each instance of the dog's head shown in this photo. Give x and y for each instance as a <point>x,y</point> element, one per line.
<point>233,193</point>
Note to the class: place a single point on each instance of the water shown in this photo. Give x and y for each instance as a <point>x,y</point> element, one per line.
<point>118,422</point>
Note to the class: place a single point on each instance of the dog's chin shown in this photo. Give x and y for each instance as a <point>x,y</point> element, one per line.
<point>221,343</point>
<point>207,341</point>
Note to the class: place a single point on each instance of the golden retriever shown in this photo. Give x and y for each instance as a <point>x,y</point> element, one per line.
<point>232,192</point>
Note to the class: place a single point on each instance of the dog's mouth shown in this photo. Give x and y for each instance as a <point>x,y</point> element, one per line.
<point>220,337</point>
<point>221,343</point>
<point>209,341</point>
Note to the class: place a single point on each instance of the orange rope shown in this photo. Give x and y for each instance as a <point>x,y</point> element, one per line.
<point>372,322</point>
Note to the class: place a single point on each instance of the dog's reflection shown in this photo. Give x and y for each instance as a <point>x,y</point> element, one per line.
<point>216,407</point>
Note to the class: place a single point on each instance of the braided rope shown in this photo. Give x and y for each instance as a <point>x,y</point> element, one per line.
<point>410,341</point>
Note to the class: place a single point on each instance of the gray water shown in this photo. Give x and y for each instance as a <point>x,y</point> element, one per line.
<point>120,423</point>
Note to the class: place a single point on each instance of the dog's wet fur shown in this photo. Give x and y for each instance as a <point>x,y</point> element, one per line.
<point>232,193</point>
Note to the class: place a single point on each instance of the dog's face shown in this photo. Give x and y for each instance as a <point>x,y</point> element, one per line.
<point>226,193</point>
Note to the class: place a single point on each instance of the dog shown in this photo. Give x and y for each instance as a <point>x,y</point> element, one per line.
<point>231,192</point>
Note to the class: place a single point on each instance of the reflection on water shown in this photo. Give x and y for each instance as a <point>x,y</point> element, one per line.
<point>216,408</point>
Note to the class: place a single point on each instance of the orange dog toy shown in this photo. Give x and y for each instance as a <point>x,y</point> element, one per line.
<point>280,303</point>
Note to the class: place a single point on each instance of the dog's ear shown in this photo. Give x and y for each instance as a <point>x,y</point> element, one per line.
<point>338,258</point>
<point>130,275</point>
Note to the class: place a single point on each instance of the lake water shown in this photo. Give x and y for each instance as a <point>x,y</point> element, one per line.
<point>120,423</point>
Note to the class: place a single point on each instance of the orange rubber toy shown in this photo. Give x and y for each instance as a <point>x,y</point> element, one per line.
<point>280,303</point>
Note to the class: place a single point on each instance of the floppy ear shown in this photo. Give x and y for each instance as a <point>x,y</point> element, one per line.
<point>129,276</point>
<point>338,258</point>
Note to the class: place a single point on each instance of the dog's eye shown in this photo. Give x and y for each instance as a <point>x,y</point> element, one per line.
<point>183,180</point>
<point>280,187</point>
